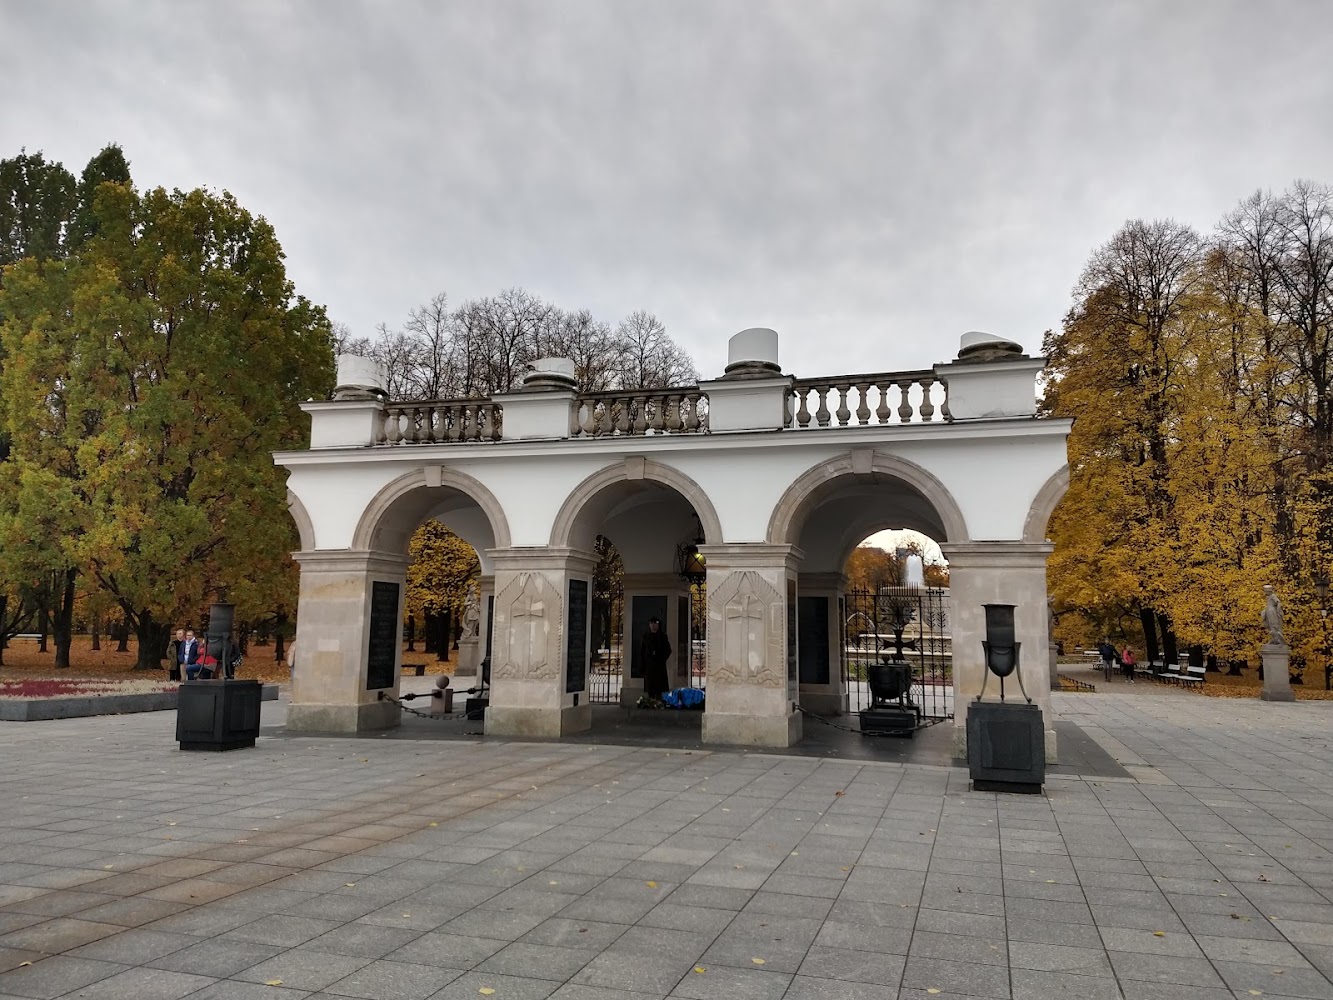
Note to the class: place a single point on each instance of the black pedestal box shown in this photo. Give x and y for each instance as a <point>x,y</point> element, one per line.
<point>888,720</point>
<point>475,708</point>
<point>1006,747</point>
<point>218,715</point>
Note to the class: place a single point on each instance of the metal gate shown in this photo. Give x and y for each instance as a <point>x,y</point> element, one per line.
<point>911,624</point>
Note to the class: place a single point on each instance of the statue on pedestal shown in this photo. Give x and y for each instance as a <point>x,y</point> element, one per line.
<point>1272,617</point>
<point>472,611</point>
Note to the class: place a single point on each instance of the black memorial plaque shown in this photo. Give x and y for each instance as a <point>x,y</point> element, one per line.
<point>791,631</point>
<point>382,654</point>
<point>813,640</point>
<point>643,608</point>
<point>576,639</point>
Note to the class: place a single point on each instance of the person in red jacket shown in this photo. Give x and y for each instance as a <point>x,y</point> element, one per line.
<point>1127,663</point>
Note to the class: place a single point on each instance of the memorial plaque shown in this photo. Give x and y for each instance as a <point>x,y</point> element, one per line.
<point>576,638</point>
<point>813,640</point>
<point>643,608</point>
<point>382,652</point>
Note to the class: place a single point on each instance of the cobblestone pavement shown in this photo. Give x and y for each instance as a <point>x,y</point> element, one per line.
<point>450,869</point>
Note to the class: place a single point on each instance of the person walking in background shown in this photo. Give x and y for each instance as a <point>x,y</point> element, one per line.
<point>175,653</point>
<point>189,656</point>
<point>654,650</point>
<point>1128,663</point>
<point>1108,655</point>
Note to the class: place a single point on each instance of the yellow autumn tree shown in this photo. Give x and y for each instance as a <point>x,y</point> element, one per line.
<point>442,567</point>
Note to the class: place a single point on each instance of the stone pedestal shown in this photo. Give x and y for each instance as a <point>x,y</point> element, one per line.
<point>469,657</point>
<point>999,573</point>
<point>529,665</point>
<point>334,688</point>
<point>1276,659</point>
<point>752,682</point>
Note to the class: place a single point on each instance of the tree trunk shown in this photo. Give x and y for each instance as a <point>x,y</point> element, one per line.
<point>442,638</point>
<point>1150,648</point>
<point>428,633</point>
<point>279,638</point>
<point>123,636</point>
<point>1235,667</point>
<point>1195,654</point>
<point>411,633</point>
<point>97,633</point>
<point>4,627</point>
<point>1169,652</point>
<point>152,637</point>
<point>64,619</point>
<point>43,617</point>
<point>1210,664</point>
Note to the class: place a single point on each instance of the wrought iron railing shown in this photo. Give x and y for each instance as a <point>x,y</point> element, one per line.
<point>860,400</point>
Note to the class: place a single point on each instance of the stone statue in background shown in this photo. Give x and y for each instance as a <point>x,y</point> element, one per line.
<point>1273,617</point>
<point>472,612</point>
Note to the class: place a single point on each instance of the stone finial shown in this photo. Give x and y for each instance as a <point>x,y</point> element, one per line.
<point>359,378</point>
<point>976,346</point>
<point>551,374</point>
<point>753,353</point>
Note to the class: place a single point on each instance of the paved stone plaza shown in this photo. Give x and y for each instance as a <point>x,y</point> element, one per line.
<point>391,869</point>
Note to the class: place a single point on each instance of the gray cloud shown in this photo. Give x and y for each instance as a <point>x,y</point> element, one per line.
<point>869,178</point>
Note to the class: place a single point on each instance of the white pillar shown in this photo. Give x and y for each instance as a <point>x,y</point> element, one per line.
<point>349,624</point>
<point>1014,573</point>
<point>530,664</point>
<point>752,685</point>
<point>823,688</point>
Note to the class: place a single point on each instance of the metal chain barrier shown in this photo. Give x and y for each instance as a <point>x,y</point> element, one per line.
<point>451,717</point>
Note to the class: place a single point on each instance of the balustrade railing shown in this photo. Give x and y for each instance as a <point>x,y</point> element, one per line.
<point>441,421</point>
<point>681,410</point>
<point>860,400</point>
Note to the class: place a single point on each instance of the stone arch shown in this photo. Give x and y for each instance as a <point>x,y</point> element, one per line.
<point>305,528</point>
<point>810,486</point>
<point>628,471</point>
<point>1043,506</point>
<point>405,497</point>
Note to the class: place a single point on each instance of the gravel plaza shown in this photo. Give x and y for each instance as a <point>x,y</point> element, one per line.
<point>1198,867</point>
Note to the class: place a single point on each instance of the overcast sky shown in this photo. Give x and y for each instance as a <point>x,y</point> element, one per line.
<point>871,179</point>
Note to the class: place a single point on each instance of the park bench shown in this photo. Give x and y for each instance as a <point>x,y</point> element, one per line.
<point>1170,673</point>
<point>1192,676</point>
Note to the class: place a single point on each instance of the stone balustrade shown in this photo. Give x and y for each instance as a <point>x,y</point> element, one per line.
<point>850,400</point>
<point>441,421</point>
<point>834,401</point>
<point>682,410</point>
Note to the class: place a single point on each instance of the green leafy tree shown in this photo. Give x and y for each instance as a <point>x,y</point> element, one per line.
<point>148,378</point>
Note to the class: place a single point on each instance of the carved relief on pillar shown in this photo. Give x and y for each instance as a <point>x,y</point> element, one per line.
<point>745,617</point>
<point>529,623</point>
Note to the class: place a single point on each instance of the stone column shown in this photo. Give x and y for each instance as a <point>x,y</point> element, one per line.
<point>823,688</point>
<point>648,594</point>
<point>752,686</point>
<point>335,686</point>
<point>1001,572</point>
<point>530,643</point>
<point>1276,658</point>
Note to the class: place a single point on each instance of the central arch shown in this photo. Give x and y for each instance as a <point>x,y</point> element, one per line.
<point>576,507</point>
<point>939,513</point>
